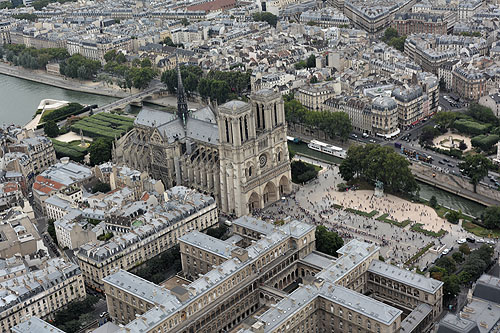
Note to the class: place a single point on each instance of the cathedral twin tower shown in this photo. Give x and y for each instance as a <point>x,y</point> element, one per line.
<point>236,152</point>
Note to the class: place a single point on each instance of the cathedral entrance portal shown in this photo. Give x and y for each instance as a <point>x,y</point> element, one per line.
<point>270,194</point>
<point>284,186</point>
<point>254,202</point>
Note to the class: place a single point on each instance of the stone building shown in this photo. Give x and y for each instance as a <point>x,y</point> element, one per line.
<point>410,23</point>
<point>385,116</point>
<point>313,96</point>
<point>40,293</point>
<point>351,293</point>
<point>155,232</point>
<point>236,152</point>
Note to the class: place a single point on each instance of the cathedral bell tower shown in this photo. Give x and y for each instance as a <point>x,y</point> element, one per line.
<point>254,162</point>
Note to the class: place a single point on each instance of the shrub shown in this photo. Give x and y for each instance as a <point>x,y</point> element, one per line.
<point>303,172</point>
<point>471,127</point>
<point>485,142</point>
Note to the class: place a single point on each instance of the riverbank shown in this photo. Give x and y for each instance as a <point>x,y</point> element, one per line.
<point>43,77</point>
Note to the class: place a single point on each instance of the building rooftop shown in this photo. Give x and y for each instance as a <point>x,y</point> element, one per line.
<point>318,259</point>
<point>35,324</point>
<point>141,288</point>
<point>406,277</point>
<point>208,243</point>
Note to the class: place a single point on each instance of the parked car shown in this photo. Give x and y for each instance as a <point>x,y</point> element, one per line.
<point>470,240</point>
<point>461,241</point>
<point>446,251</point>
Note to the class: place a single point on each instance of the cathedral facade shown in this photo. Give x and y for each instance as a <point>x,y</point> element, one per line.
<point>236,152</point>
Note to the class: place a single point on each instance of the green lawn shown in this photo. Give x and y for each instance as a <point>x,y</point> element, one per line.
<point>383,218</point>
<point>362,213</point>
<point>418,228</point>
<point>480,231</point>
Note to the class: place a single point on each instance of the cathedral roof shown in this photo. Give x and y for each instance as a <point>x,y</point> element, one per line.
<point>153,118</point>
<point>202,131</point>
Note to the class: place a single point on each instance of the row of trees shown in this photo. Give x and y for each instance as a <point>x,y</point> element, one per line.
<point>79,67</point>
<point>334,124</point>
<point>75,315</point>
<point>137,74</point>
<point>474,264</point>
<point>29,57</point>
<point>216,85</point>
<point>373,163</point>
<point>266,17</point>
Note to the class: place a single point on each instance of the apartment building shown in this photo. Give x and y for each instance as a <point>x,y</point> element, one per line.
<point>59,177</point>
<point>357,107</point>
<point>40,293</point>
<point>385,116</point>
<point>39,150</point>
<point>410,105</point>
<point>469,82</point>
<point>18,235</point>
<point>73,230</point>
<point>95,47</point>
<point>312,96</point>
<point>411,23</point>
<point>155,232</point>
<point>10,195</point>
<point>35,324</point>
<point>330,297</point>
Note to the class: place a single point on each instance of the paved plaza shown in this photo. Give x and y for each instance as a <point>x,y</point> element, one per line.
<point>314,203</point>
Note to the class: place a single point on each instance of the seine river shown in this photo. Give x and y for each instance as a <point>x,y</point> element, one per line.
<point>19,98</point>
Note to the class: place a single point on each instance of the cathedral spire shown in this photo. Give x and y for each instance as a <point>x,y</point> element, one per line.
<point>182,108</point>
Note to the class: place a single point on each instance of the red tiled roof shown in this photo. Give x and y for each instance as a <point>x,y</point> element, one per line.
<point>145,197</point>
<point>10,187</point>
<point>46,185</point>
<point>213,5</point>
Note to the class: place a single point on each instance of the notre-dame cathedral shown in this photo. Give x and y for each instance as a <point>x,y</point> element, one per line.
<point>236,152</point>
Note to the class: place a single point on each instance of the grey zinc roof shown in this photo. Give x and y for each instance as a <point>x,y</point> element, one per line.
<point>415,318</point>
<point>406,277</point>
<point>202,131</point>
<point>208,243</point>
<point>307,294</point>
<point>318,259</point>
<point>35,324</point>
<point>255,224</point>
<point>454,324</point>
<point>141,288</point>
<point>384,102</point>
<point>153,118</point>
<point>488,288</point>
<point>234,105</point>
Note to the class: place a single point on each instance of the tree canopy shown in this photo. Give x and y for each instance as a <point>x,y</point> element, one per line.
<point>392,38</point>
<point>302,172</point>
<point>266,17</point>
<point>100,151</point>
<point>373,162</point>
<point>476,168</point>
<point>79,67</point>
<point>51,129</point>
<point>491,217</point>
<point>334,124</point>
<point>328,241</point>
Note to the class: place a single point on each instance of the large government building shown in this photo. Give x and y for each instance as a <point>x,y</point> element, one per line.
<point>268,278</point>
<point>236,152</point>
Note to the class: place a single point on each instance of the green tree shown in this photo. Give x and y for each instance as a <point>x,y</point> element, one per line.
<point>476,168</point>
<point>453,216</point>
<point>100,151</point>
<point>51,229</point>
<point>389,34</point>
<point>433,202</point>
<point>447,263</point>
<point>458,257</point>
<point>311,61</point>
<point>168,41</point>
<point>377,163</point>
<point>428,134</point>
<point>451,287</point>
<point>313,80</point>
<point>218,232</point>
<point>101,187</point>
<point>51,129</point>
<point>146,63</point>
<point>26,16</point>
<point>464,248</point>
<point>482,114</point>
<point>185,22</point>
<point>445,118</point>
<point>302,172</point>
<point>491,217</point>
<point>266,17</point>
<point>328,241</point>
<point>462,146</point>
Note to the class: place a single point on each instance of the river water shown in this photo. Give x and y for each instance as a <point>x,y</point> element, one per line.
<point>19,98</point>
